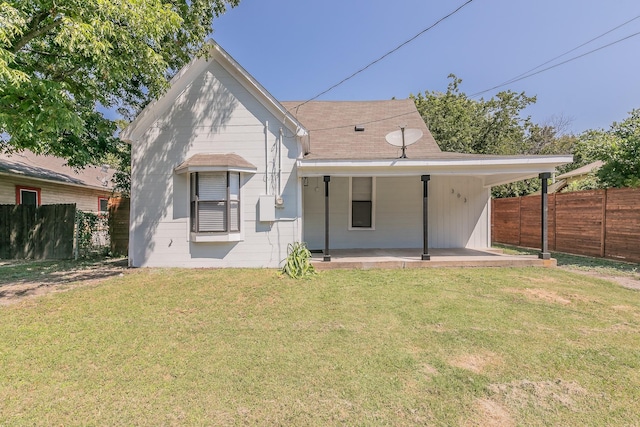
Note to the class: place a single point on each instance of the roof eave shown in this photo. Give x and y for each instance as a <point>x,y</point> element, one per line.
<point>59,182</point>
<point>541,163</point>
<point>492,171</point>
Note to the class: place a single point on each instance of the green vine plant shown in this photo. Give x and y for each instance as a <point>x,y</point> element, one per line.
<point>90,231</point>
<point>297,264</point>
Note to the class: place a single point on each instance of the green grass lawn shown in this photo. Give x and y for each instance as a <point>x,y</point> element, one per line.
<point>482,346</point>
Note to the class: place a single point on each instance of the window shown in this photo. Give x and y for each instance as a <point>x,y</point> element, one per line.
<point>103,204</point>
<point>215,202</point>
<point>27,196</point>
<point>362,190</point>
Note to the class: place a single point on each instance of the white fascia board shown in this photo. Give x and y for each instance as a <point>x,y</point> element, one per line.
<point>526,166</point>
<point>493,180</point>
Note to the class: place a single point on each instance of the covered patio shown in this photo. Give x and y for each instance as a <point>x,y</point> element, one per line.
<point>364,197</point>
<point>364,259</point>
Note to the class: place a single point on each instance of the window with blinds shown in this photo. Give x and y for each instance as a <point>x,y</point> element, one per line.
<point>362,202</point>
<point>215,202</point>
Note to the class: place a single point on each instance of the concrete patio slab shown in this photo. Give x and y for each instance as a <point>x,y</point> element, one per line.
<point>364,259</point>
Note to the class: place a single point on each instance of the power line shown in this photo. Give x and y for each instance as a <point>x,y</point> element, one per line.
<point>571,50</point>
<point>515,79</point>
<point>385,55</point>
<point>522,77</point>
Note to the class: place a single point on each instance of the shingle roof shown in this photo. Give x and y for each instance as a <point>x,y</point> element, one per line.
<point>228,160</point>
<point>332,136</point>
<point>54,169</point>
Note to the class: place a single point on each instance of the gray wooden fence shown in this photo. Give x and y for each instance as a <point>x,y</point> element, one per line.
<point>43,232</point>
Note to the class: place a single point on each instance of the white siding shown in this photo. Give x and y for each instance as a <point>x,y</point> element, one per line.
<point>214,114</point>
<point>458,213</point>
<point>453,222</point>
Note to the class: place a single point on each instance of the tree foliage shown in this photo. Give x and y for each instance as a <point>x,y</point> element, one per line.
<point>494,126</point>
<point>618,148</point>
<point>461,124</point>
<point>63,63</point>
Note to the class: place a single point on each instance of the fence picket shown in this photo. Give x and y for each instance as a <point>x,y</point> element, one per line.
<point>599,223</point>
<point>41,232</point>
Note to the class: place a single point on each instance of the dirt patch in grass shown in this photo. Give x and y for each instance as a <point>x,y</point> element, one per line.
<point>541,294</point>
<point>490,413</point>
<point>629,282</point>
<point>428,370</point>
<point>546,395</point>
<point>476,363</point>
<point>24,279</point>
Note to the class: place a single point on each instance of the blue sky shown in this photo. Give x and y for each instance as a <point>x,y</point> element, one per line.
<point>298,48</point>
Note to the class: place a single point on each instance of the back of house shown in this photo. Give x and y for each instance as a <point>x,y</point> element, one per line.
<point>225,175</point>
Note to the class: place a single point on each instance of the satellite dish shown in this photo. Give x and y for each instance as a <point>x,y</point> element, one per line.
<point>403,138</point>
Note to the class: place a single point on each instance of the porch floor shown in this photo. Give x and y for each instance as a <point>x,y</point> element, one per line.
<point>364,259</point>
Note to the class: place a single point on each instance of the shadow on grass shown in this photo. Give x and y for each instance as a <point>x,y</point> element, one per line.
<point>25,277</point>
<point>579,262</point>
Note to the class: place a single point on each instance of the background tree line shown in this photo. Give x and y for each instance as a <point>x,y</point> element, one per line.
<point>497,126</point>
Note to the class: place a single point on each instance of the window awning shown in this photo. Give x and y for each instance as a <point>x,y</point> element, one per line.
<point>204,162</point>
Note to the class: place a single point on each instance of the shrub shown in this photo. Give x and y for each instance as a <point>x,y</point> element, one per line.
<point>298,262</point>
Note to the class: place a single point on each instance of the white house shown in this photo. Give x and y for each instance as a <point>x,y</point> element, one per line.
<point>224,175</point>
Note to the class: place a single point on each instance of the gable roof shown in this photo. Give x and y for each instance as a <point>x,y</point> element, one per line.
<point>332,135</point>
<point>331,145</point>
<point>145,119</point>
<point>584,170</point>
<point>54,169</point>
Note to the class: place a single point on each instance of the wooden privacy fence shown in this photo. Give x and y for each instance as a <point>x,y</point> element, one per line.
<point>43,232</point>
<point>598,223</point>
<point>119,225</point>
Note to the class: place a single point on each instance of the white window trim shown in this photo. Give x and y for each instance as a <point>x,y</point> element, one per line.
<point>21,189</point>
<point>217,236</point>
<point>373,207</point>
<point>101,198</point>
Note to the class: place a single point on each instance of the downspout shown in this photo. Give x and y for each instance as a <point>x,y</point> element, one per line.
<point>266,157</point>
<point>132,258</point>
<point>280,163</point>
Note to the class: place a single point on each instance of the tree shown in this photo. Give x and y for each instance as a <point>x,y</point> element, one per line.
<point>64,63</point>
<point>493,126</point>
<point>618,148</point>
<point>551,137</point>
<point>461,124</point>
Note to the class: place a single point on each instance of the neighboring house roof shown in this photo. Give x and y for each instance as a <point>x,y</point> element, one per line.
<point>54,169</point>
<point>584,170</point>
<point>332,135</point>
